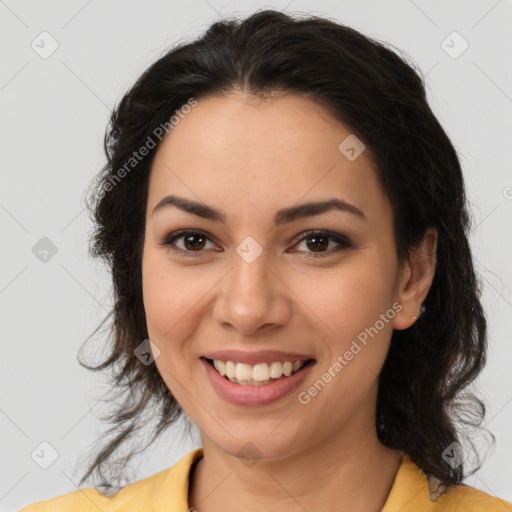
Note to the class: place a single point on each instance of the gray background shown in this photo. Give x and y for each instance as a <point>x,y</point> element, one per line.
<point>54,112</point>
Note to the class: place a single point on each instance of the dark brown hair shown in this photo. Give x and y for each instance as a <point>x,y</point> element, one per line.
<point>422,404</point>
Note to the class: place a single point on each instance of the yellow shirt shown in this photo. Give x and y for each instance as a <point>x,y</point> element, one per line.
<point>167,491</point>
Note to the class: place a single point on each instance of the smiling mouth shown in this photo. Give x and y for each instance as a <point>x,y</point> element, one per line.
<point>260,374</point>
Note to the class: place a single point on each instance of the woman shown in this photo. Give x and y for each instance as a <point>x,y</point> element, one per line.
<point>286,225</point>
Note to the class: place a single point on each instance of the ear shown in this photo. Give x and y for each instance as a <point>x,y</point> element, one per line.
<point>415,280</point>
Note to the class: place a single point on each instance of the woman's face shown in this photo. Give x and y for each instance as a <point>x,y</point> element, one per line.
<point>255,283</point>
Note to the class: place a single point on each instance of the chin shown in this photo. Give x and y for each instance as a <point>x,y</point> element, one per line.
<point>257,444</point>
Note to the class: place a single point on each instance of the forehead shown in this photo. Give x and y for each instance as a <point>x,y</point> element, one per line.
<point>236,151</point>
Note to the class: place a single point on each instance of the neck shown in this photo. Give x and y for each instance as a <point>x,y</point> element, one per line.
<point>352,473</point>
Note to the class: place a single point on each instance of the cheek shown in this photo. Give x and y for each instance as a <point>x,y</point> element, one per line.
<point>171,294</point>
<point>169,298</point>
<point>354,304</point>
<point>359,322</point>
<point>349,299</point>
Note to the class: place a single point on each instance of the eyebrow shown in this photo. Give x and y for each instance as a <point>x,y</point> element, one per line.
<point>283,216</point>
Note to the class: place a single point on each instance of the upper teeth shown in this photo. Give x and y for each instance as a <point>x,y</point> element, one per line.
<point>258,372</point>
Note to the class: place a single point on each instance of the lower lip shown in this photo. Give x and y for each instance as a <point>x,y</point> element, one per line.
<point>239,394</point>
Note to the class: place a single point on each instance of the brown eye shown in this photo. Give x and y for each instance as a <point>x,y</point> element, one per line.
<point>317,242</point>
<point>192,241</point>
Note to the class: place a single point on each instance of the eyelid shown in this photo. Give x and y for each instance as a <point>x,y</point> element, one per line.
<point>322,232</point>
<point>169,240</point>
<point>342,241</point>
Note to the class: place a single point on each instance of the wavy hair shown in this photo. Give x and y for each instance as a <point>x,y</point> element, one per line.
<point>423,405</point>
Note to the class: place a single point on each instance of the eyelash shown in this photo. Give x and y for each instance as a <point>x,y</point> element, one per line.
<point>344,243</point>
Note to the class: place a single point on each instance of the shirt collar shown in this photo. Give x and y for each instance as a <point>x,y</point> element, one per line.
<point>410,487</point>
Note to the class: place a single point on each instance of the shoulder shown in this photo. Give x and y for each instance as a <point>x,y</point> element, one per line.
<point>470,499</point>
<point>413,491</point>
<point>167,489</point>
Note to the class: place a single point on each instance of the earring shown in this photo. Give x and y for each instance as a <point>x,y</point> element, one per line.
<point>422,310</point>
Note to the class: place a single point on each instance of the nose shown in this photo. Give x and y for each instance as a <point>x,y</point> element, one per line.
<point>252,298</point>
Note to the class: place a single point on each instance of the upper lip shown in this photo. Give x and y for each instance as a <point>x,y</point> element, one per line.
<point>262,356</point>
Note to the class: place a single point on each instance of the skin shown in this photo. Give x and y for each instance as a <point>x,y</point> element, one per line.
<point>250,158</point>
